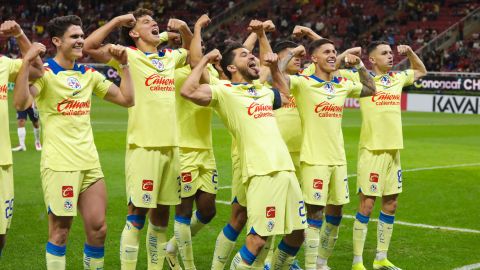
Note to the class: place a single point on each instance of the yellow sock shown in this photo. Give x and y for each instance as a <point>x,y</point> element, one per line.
<point>223,247</point>
<point>270,250</point>
<point>328,238</point>
<point>384,234</point>
<point>238,263</point>
<point>184,241</point>
<point>312,241</point>
<point>93,257</point>
<point>360,228</point>
<point>55,262</point>
<point>156,245</point>
<point>259,262</point>
<point>284,256</point>
<point>195,224</point>
<point>129,242</point>
<point>172,245</point>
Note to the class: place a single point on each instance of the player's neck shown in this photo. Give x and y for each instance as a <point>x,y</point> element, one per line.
<point>64,62</point>
<point>379,71</point>
<point>146,47</point>
<point>238,78</point>
<point>326,76</point>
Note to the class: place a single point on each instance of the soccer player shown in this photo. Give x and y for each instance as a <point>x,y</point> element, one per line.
<point>379,172</point>
<point>31,113</point>
<point>320,99</point>
<point>273,196</point>
<point>9,69</point>
<point>197,161</point>
<point>72,178</point>
<point>152,156</point>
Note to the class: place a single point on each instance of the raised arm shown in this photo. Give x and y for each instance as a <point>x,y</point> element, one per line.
<point>297,51</point>
<point>123,95</point>
<point>355,51</point>
<point>416,63</point>
<point>369,88</point>
<point>249,43</point>
<point>279,81</point>
<point>258,28</point>
<point>22,98</point>
<point>303,31</point>
<point>182,28</point>
<point>200,94</point>
<point>94,43</point>
<point>196,53</point>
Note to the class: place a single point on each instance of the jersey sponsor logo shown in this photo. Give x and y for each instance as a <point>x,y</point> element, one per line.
<point>158,64</point>
<point>386,99</point>
<point>156,82</point>
<point>270,212</point>
<point>186,177</point>
<point>258,110</point>
<point>147,185</point>
<point>327,109</point>
<point>3,92</point>
<point>73,83</point>
<point>318,184</point>
<point>67,191</point>
<point>292,104</point>
<point>69,106</point>
<point>374,177</point>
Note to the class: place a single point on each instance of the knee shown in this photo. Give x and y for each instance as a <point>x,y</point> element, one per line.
<point>366,208</point>
<point>390,207</point>
<point>206,215</point>
<point>255,242</point>
<point>239,219</point>
<point>59,236</point>
<point>100,231</point>
<point>315,212</point>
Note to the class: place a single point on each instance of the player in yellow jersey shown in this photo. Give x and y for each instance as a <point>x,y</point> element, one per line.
<point>152,156</point>
<point>379,172</point>
<point>320,99</point>
<point>274,203</point>
<point>9,69</point>
<point>197,163</point>
<point>72,178</point>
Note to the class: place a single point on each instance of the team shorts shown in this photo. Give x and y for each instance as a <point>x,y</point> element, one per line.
<point>61,189</point>
<point>30,112</point>
<point>198,172</point>
<point>379,172</point>
<point>275,204</point>
<point>152,176</point>
<point>6,197</point>
<point>325,184</point>
<point>296,162</point>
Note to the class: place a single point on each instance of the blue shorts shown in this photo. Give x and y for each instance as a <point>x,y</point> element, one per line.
<point>30,112</point>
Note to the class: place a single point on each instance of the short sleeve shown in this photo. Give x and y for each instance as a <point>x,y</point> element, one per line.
<point>163,37</point>
<point>101,85</point>
<point>180,57</point>
<point>308,71</point>
<point>40,82</point>
<point>355,88</point>
<point>294,83</point>
<point>216,94</point>
<point>351,74</point>
<point>15,65</point>
<point>116,65</point>
<point>277,99</point>
<point>407,76</point>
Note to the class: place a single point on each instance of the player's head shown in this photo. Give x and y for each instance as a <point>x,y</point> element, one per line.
<point>67,35</point>
<point>380,54</point>
<point>145,29</point>
<point>237,59</point>
<point>323,54</point>
<point>282,48</point>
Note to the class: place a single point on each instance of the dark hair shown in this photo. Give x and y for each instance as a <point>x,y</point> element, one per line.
<point>317,43</point>
<point>227,57</point>
<point>374,44</point>
<point>125,37</point>
<point>56,27</point>
<point>284,44</point>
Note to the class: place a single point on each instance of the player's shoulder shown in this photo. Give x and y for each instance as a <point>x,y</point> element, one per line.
<point>171,52</point>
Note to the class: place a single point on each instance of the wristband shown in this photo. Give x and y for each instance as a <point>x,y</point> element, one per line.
<point>19,35</point>
<point>359,66</point>
<point>122,66</point>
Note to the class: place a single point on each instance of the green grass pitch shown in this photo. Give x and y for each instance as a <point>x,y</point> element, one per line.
<point>433,196</point>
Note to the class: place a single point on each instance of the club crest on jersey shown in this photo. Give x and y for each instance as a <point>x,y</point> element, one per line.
<point>329,88</point>
<point>373,187</point>
<point>385,80</point>
<point>252,91</point>
<point>317,196</point>
<point>158,64</point>
<point>147,198</point>
<point>187,188</point>
<point>68,205</point>
<point>73,83</point>
<point>270,225</point>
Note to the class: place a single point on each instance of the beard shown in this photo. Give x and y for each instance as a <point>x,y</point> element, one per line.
<point>247,75</point>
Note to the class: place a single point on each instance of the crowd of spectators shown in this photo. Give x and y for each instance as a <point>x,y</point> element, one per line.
<point>349,23</point>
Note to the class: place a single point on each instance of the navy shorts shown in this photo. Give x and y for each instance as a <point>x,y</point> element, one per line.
<point>30,112</point>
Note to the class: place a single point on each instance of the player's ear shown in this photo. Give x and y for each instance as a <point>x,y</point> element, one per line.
<point>314,58</point>
<point>56,41</point>
<point>371,59</point>
<point>231,68</point>
<point>133,34</point>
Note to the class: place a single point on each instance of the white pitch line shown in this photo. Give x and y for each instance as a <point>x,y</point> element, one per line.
<point>411,170</point>
<point>418,225</point>
<point>469,267</point>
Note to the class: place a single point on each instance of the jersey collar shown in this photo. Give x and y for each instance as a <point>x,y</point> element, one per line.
<point>56,68</point>
<point>334,80</point>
